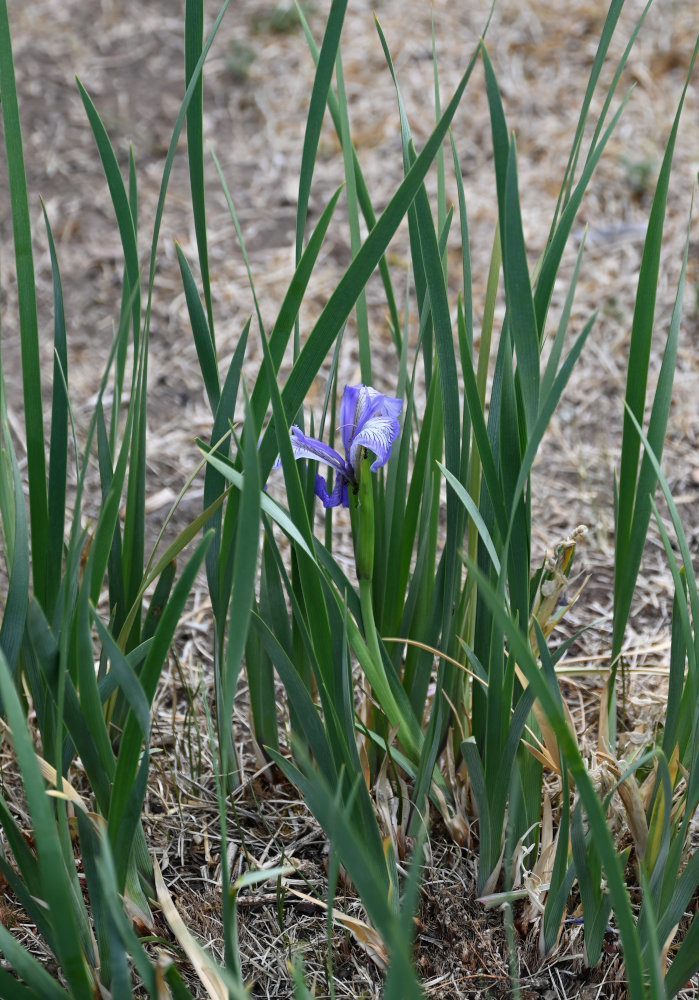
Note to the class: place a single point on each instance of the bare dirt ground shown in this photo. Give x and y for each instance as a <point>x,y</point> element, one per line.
<point>129,56</point>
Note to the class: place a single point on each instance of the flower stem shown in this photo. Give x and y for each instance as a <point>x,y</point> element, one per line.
<point>362,515</point>
<point>364,556</point>
<point>374,669</point>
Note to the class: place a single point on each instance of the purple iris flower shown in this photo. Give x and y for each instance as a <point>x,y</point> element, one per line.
<point>368,419</point>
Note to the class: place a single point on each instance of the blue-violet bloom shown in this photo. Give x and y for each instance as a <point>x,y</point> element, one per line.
<point>368,419</point>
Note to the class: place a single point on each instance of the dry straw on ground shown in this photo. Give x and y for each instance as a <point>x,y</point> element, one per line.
<point>129,56</point>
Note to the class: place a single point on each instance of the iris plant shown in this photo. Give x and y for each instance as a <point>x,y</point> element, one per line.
<point>369,424</point>
<point>368,419</point>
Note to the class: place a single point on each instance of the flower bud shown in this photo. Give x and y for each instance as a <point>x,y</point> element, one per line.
<point>365,531</point>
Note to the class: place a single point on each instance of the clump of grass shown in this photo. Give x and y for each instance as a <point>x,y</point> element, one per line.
<point>442,616</point>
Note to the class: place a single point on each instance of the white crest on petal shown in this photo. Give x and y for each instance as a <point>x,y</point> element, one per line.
<point>377,435</point>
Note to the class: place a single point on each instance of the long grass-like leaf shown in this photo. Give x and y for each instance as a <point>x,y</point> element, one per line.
<point>299,698</point>
<point>444,341</point>
<point>562,875</point>
<point>268,505</point>
<point>353,215</point>
<point>15,529</point>
<point>40,983</point>
<point>596,902</point>
<point>259,667</point>
<point>130,746</point>
<point>201,331</point>
<point>343,298</point>
<point>58,451</point>
<point>467,290</point>
<point>615,8</point>
<point>243,592</point>
<point>362,189</point>
<point>518,293</point>
<point>193,44</point>
<point>128,681</point>
<point>192,86</point>
<point>28,323</point>
<point>123,938</point>
<point>364,868</point>
<point>548,406</point>
<point>132,553</point>
<point>501,142</point>
<point>54,879</point>
<point>122,207</point>
<point>677,723</point>
<point>551,261</point>
<point>281,331</point>
<point>316,111</point>
<point>557,347</point>
<point>217,557</point>
<point>474,514</point>
<point>636,487</point>
<point>519,645</point>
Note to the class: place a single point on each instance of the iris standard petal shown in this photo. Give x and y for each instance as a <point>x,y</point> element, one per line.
<point>359,403</point>
<point>360,407</point>
<point>350,413</point>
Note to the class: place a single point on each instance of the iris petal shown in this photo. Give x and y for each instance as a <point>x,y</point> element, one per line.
<point>368,419</point>
<point>339,492</point>
<point>375,423</point>
<point>377,435</point>
<point>310,447</point>
<point>350,412</point>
